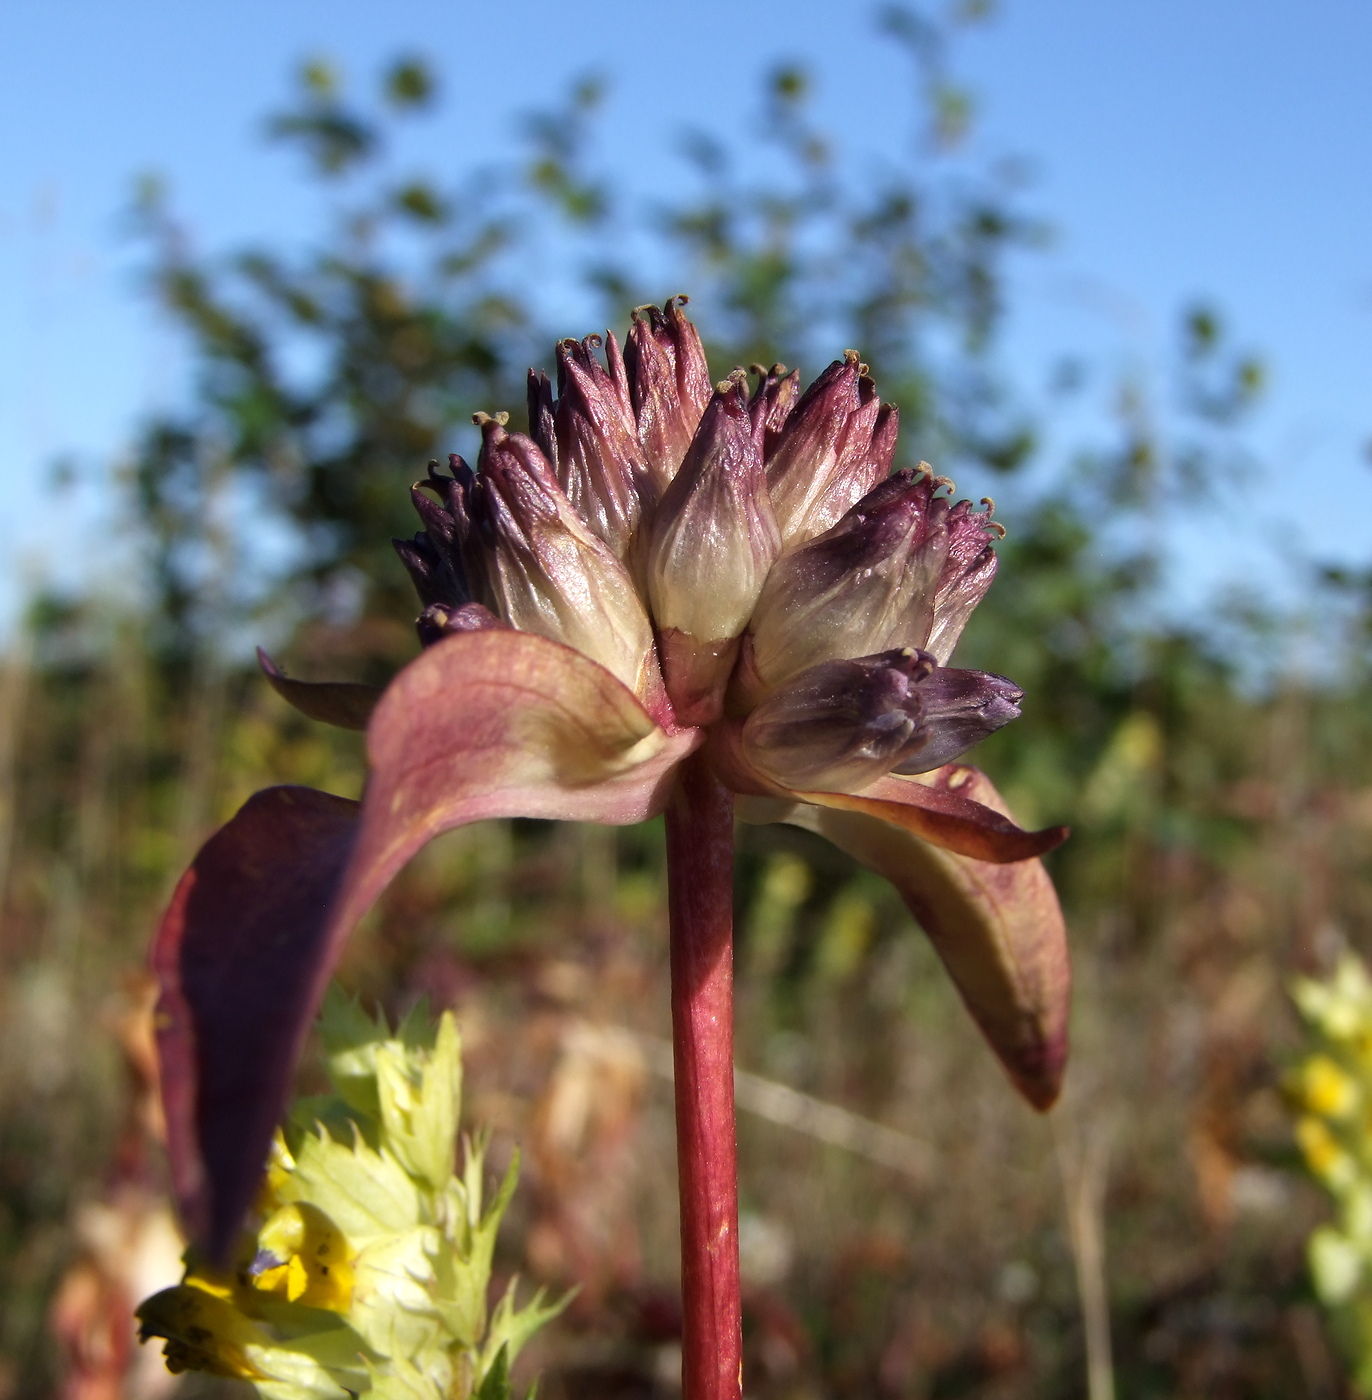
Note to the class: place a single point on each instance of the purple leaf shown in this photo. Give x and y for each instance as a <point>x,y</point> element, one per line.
<point>482,724</point>
<point>237,956</point>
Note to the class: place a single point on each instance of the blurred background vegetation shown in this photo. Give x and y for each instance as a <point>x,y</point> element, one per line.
<point>1216,776</point>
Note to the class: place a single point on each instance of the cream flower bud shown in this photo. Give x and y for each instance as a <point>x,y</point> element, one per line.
<point>544,571</point>
<point>841,724</point>
<point>669,385</point>
<point>903,568</point>
<point>591,439</point>
<point>836,445</point>
<point>713,541</point>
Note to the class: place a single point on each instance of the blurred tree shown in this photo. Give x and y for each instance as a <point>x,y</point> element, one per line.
<point>326,376</point>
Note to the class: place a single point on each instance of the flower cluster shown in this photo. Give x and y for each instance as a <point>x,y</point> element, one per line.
<point>1331,1091</point>
<point>665,587</point>
<point>367,1268</point>
<point>726,555</point>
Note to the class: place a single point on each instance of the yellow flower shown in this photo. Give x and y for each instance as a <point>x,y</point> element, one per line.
<point>304,1258</point>
<point>371,1268</point>
<point>1326,1088</point>
<point>1323,1155</point>
<point>204,1331</point>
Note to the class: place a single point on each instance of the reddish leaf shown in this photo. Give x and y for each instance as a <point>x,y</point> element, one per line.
<point>482,724</point>
<point>938,807</point>
<point>997,927</point>
<point>347,704</point>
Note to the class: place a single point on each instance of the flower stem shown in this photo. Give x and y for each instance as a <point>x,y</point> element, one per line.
<point>700,891</point>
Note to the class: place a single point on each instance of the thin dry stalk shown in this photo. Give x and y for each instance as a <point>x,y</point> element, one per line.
<point>1084,1167</point>
<point>14,685</point>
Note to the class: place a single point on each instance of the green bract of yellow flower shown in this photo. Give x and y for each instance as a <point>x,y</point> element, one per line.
<point>367,1267</point>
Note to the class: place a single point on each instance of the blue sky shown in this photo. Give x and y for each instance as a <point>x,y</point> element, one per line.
<point>1211,148</point>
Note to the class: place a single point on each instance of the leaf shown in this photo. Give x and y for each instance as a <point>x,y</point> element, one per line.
<point>944,813</point>
<point>941,807</point>
<point>495,1384</point>
<point>420,1095</point>
<point>347,704</point>
<point>512,1327</point>
<point>997,927</point>
<point>481,724</point>
<point>236,958</point>
<point>367,1194</point>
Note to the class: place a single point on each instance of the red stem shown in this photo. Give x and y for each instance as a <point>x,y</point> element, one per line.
<point>700,893</point>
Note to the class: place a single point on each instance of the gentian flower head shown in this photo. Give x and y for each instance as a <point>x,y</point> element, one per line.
<point>663,583</point>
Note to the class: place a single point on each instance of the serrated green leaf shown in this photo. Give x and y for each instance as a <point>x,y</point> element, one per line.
<point>416,1028</point>
<point>512,1327</point>
<point>393,1304</point>
<point>420,1093</point>
<point>495,1383</point>
<point>426,1379</point>
<point>366,1193</point>
<point>350,1038</point>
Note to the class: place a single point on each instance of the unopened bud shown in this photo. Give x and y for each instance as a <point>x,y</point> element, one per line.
<point>836,445</point>
<point>713,541</point>
<point>591,439</point>
<point>885,576</point>
<point>840,725</point>
<point>439,620</point>
<point>961,708</point>
<point>969,566</point>
<point>435,558</point>
<point>772,402</point>
<point>669,385</point>
<point>545,571</point>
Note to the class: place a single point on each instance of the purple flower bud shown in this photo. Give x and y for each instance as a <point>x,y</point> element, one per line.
<point>772,402</point>
<point>591,439</point>
<point>713,541</point>
<point>967,571</point>
<point>434,557</point>
<point>544,571</point>
<point>669,385</point>
<point>840,725</point>
<point>961,708</point>
<point>439,620</point>
<point>903,568</point>
<point>432,571</point>
<point>836,445</point>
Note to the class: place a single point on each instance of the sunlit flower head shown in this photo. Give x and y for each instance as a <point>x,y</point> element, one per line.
<point>721,550</point>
